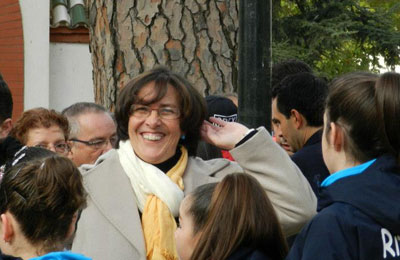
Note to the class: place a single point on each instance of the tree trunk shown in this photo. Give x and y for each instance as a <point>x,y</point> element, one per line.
<point>196,38</point>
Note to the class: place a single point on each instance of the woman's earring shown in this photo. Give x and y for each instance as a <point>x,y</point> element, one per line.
<point>183,137</point>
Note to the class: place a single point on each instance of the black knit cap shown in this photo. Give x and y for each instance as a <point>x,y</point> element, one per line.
<point>222,108</point>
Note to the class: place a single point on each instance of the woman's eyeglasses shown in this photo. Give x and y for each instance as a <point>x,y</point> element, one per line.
<point>166,112</point>
<point>60,148</point>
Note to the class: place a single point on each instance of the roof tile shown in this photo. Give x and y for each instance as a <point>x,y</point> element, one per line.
<point>68,13</point>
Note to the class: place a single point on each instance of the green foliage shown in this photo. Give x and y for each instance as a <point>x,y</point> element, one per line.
<point>337,36</point>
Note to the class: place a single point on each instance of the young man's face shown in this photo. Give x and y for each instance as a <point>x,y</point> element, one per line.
<point>283,127</point>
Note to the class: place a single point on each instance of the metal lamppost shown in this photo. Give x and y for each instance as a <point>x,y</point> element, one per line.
<point>255,37</point>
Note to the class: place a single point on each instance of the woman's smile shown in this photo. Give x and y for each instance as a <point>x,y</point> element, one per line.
<point>152,136</point>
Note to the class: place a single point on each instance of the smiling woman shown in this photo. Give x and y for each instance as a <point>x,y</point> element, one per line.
<point>154,130</point>
<point>135,191</point>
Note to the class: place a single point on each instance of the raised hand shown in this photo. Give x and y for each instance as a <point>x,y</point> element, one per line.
<point>225,136</point>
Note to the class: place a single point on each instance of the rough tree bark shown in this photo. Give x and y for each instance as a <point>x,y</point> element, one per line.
<point>196,38</point>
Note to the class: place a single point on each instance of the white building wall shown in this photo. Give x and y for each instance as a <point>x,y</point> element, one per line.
<point>56,74</point>
<point>35,19</point>
<point>70,75</point>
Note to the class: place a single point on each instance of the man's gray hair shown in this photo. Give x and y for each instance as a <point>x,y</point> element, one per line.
<point>74,111</point>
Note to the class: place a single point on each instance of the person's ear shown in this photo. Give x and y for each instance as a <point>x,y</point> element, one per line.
<point>336,137</point>
<point>297,118</point>
<point>5,127</point>
<point>7,227</point>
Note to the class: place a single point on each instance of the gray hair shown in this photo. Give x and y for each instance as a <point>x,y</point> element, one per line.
<point>74,111</point>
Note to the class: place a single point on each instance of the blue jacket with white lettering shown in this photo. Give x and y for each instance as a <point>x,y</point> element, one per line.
<point>359,217</point>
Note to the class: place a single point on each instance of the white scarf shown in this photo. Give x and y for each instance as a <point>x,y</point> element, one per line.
<point>147,179</point>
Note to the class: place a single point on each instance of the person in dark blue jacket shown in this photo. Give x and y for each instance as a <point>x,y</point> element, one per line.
<point>230,220</point>
<point>358,209</point>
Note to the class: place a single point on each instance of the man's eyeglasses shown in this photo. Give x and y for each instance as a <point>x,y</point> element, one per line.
<point>60,148</point>
<point>98,143</point>
<point>141,111</point>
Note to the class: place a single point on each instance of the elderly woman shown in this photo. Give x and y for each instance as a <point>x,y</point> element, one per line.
<point>135,191</point>
<point>41,127</point>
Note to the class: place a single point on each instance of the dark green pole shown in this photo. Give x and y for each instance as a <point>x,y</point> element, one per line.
<point>255,63</point>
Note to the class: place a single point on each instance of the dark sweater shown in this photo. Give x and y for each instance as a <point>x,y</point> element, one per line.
<point>310,162</point>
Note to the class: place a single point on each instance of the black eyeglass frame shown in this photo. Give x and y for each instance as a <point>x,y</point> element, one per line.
<point>95,143</point>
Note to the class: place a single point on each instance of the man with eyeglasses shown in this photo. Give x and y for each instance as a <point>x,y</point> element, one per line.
<point>92,132</point>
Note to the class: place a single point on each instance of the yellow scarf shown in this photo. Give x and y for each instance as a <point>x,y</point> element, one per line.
<point>157,221</point>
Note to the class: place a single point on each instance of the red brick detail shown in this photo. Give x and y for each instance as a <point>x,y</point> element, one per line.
<point>63,34</point>
<point>12,52</point>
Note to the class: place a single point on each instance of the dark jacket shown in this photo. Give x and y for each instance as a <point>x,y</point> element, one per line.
<point>246,253</point>
<point>309,160</point>
<point>359,217</point>
<point>8,257</point>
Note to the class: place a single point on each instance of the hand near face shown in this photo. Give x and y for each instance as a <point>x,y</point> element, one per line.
<point>225,136</point>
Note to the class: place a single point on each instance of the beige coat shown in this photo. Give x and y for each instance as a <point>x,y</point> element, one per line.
<point>110,228</point>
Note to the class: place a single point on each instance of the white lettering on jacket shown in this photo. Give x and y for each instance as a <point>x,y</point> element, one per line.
<point>390,243</point>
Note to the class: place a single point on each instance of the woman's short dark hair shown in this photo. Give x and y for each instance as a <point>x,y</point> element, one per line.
<point>39,117</point>
<point>192,104</point>
<point>43,194</point>
<point>239,215</point>
<point>351,104</point>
